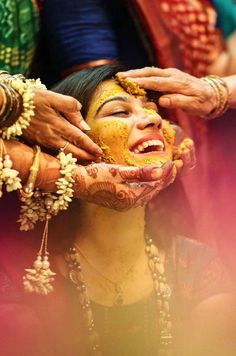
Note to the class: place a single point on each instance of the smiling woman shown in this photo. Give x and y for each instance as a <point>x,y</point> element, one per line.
<point>131,121</point>
<point>118,291</point>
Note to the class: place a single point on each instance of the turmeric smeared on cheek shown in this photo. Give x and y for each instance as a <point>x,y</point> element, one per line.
<point>168,132</point>
<point>112,137</point>
<point>112,134</point>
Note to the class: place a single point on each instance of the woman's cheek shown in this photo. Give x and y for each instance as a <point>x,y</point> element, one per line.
<point>169,136</point>
<point>112,137</point>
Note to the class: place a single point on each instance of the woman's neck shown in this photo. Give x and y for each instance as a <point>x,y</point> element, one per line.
<point>112,254</point>
<point>110,233</point>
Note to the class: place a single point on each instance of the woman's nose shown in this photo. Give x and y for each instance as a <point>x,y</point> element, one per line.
<point>152,119</point>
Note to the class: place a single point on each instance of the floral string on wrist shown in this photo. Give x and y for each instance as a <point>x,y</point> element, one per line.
<point>42,207</point>
<point>8,175</point>
<point>39,204</point>
<point>22,93</point>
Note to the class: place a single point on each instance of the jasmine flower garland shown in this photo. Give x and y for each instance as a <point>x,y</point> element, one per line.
<point>40,205</point>
<point>25,88</point>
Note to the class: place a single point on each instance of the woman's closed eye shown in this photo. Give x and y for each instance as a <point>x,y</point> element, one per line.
<point>121,113</point>
<point>118,109</point>
<point>122,110</point>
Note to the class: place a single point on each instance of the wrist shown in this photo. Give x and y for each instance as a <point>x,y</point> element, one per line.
<point>212,98</point>
<point>231,82</point>
<point>48,174</point>
<point>18,108</point>
<point>11,106</point>
<point>221,94</point>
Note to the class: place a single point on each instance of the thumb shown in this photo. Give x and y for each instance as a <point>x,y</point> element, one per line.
<point>144,174</point>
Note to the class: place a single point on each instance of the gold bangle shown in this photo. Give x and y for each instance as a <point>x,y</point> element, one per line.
<point>28,189</point>
<point>2,148</point>
<point>214,112</point>
<point>221,90</point>
<point>225,93</point>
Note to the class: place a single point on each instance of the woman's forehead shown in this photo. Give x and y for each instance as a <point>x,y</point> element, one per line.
<point>107,90</point>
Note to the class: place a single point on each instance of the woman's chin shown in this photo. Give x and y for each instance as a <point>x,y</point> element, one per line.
<point>147,159</point>
<point>129,158</point>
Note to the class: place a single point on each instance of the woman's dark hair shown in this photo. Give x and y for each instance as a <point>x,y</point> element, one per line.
<point>82,85</point>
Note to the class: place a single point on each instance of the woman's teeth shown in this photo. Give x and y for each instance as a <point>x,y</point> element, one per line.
<point>157,145</point>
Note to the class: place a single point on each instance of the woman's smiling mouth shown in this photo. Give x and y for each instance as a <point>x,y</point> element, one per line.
<point>149,144</point>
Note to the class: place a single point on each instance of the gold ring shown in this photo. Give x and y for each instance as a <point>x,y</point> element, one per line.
<point>64,147</point>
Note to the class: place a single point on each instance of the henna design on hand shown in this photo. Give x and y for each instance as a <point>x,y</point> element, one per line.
<point>108,195</point>
<point>92,171</point>
<point>113,171</point>
<point>111,191</point>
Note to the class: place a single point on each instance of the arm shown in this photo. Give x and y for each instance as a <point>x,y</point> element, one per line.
<point>213,318</point>
<point>211,327</point>
<point>231,82</point>
<point>55,118</point>
<point>133,184</point>
<point>181,90</point>
<point>225,64</point>
<point>207,295</point>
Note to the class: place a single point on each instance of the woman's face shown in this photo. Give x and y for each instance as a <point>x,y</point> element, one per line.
<point>128,128</point>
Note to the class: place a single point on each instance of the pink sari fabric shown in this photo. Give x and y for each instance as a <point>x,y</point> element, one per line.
<point>32,324</point>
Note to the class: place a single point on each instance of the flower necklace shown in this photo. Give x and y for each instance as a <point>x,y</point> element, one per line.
<point>161,288</point>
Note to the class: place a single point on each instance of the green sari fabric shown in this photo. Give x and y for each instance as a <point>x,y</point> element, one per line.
<point>19,27</point>
<point>226,10</point>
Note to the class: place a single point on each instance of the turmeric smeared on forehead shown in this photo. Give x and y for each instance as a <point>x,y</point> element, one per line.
<point>103,93</point>
<point>130,87</point>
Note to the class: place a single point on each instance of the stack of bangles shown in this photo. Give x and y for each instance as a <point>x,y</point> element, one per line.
<point>222,93</point>
<point>11,105</point>
<point>17,105</point>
